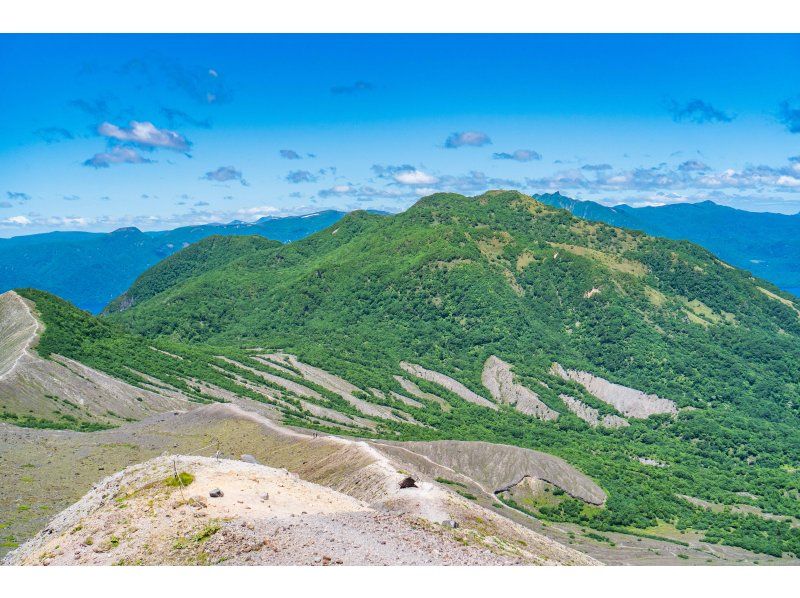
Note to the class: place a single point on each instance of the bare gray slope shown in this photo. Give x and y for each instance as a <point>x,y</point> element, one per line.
<point>499,380</point>
<point>496,467</point>
<point>53,388</point>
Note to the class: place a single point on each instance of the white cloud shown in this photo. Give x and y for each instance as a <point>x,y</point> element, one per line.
<point>258,211</point>
<point>18,220</point>
<point>415,177</point>
<point>788,181</point>
<point>117,155</point>
<point>224,174</point>
<point>473,138</point>
<point>145,134</point>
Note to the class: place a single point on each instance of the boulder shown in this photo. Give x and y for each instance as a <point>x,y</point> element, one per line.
<point>408,482</point>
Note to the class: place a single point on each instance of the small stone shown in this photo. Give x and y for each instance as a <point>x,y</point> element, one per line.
<point>216,493</point>
<point>249,459</point>
<point>450,523</point>
<point>265,496</point>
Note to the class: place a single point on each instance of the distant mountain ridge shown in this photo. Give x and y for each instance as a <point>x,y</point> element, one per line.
<point>765,243</point>
<point>91,269</point>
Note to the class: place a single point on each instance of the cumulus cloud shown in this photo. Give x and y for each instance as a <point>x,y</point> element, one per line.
<point>288,154</point>
<point>257,211</point>
<point>301,176</point>
<point>471,138</point>
<point>53,134</point>
<point>146,135</point>
<point>688,175</point>
<point>698,111</point>
<point>18,220</point>
<point>357,87</point>
<point>223,174</point>
<point>17,195</point>
<point>789,115</point>
<point>520,155</point>
<point>425,183</point>
<point>475,181</point>
<point>597,167</point>
<point>415,177</point>
<point>404,174</point>
<point>116,155</point>
<point>363,193</point>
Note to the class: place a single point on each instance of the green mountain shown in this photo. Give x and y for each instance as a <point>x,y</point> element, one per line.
<point>90,269</point>
<point>455,281</point>
<point>764,243</point>
<point>666,375</point>
<point>209,254</point>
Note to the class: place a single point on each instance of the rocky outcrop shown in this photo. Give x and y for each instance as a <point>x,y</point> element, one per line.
<point>415,390</point>
<point>591,415</point>
<point>498,379</point>
<point>494,467</point>
<point>447,383</point>
<point>336,385</point>
<point>628,401</point>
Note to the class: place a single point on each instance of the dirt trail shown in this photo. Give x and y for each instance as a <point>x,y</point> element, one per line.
<point>19,330</point>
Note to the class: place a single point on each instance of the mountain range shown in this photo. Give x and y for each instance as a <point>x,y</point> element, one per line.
<point>90,269</point>
<point>661,374</point>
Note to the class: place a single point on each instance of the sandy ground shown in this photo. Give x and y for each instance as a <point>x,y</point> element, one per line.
<point>265,516</point>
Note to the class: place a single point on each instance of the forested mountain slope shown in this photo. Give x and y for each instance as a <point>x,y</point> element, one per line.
<point>764,243</point>
<point>697,361</point>
<point>90,269</point>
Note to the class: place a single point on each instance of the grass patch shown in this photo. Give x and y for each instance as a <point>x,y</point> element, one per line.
<point>207,532</point>
<point>599,538</point>
<point>450,482</point>
<point>183,479</point>
<point>200,537</point>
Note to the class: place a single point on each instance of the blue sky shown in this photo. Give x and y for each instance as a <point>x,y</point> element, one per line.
<point>98,132</point>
